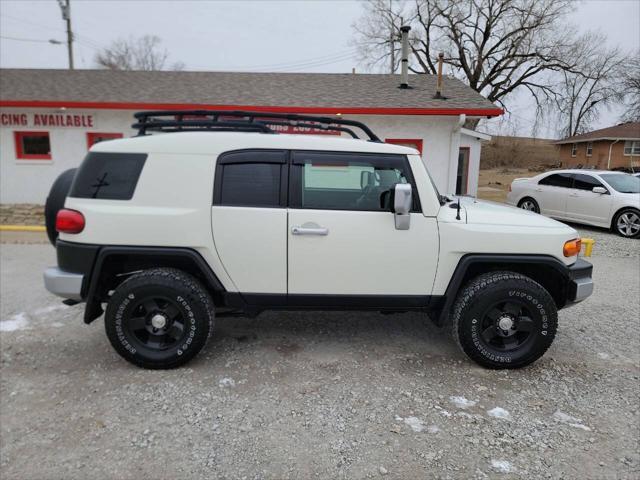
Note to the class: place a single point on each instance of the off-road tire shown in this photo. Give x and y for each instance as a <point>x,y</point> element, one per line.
<point>192,300</point>
<point>614,222</point>
<point>532,202</point>
<point>55,201</point>
<point>487,289</point>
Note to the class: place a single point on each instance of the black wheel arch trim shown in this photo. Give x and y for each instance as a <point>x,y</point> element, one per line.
<point>93,286</point>
<point>566,274</point>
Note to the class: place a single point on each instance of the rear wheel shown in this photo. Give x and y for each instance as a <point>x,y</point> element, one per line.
<point>626,223</point>
<point>159,318</point>
<point>529,204</point>
<point>55,201</point>
<point>504,320</point>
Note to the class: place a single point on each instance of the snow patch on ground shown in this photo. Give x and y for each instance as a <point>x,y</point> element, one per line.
<point>562,417</point>
<point>18,322</point>
<point>443,411</point>
<point>417,425</point>
<point>227,382</point>
<point>49,309</point>
<point>604,356</point>
<point>57,324</point>
<point>501,466</point>
<point>499,412</point>
<point>462,402</point>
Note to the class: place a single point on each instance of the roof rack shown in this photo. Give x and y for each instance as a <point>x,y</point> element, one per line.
<point>240,121</point>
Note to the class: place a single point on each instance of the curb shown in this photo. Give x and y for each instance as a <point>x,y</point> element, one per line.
<point>22,228</point>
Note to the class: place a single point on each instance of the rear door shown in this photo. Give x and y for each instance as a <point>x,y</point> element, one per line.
<point>585,205</point>
<point>552,192</point>
<point>249,219</point>
<point>342,236</point>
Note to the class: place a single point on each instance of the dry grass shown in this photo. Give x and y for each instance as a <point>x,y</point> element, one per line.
<point>494,184</point>
<point>519,152</point>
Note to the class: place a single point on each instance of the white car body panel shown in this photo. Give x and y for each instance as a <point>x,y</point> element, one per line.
<point>571,204</point>
<point>363,254</point>
<point>252,243</point>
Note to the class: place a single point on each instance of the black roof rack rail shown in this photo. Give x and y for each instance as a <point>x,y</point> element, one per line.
<point>240,120</point>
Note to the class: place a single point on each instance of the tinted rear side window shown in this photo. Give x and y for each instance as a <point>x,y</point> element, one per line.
<point>251,178</point>
<point>557,180</point>
<point>108,176</point>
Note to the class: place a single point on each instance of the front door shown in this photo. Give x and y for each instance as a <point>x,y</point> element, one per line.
<point>585,205</point>
<point>342,239</point>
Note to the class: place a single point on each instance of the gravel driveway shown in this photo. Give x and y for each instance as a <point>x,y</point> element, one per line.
<point>320,395</point>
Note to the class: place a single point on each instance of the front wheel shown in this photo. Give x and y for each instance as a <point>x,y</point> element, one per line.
<point>627,223</point>
<point>504,320</point>
<point>159,318</point>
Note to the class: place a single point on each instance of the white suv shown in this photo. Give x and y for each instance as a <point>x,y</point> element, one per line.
<point>171,229</point>
<point>594,197</point>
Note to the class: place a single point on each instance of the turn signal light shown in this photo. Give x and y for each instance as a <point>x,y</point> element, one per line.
<point>69,221</point>
<point>572,247</point>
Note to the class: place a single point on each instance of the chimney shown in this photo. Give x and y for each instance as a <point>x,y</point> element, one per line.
<point>404,80</point>
<point>439,80</point>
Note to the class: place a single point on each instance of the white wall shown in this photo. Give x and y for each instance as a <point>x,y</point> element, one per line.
<point>29,181</point>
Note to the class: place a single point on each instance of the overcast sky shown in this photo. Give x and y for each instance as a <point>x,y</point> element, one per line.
<point>291,36</point>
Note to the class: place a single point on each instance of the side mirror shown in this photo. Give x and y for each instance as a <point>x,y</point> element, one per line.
<point>600,190</point>
<point>401,201</point>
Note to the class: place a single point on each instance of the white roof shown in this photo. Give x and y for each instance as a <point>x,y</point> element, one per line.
<point>204,143</point>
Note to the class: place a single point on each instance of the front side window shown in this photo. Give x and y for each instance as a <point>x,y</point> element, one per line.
<point>557,180</point>
<point>632,147</point>
<point>347,181</point>
<point>32,145</point>
<point>251,178</point>
<point>585,182</point>
<point>574,149</point>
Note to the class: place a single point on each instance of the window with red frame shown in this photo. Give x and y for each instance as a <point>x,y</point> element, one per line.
<point>406,142</point>
<point>32,145</point>
<point>96,137</point>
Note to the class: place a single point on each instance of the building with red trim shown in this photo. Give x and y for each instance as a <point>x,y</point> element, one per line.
<point>49,118</point>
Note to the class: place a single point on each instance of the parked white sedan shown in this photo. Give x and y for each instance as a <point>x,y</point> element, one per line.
<point>592,197</point>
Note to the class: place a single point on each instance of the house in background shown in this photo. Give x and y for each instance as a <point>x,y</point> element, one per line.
<point>607,148</point>
<point>50,118</point>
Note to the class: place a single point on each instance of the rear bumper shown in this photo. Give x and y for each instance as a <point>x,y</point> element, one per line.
<point>69,279</point>
<point>580,283</point>
<point>64,284</point>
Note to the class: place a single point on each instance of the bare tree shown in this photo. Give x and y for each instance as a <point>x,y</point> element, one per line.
<point>497,47</point>
<point>580,95</point>
<point>144,53</point>
<point>630,89</point>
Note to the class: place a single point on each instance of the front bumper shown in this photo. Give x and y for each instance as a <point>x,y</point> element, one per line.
<point>65,284</point>
<point>580,283</point>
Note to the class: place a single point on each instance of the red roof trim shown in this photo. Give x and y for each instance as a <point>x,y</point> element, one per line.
<point>476,112</point>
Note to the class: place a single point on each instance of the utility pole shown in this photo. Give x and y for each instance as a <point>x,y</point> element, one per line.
<point>65,7</point>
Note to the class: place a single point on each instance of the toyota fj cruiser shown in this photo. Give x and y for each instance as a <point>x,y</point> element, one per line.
<point>222,217</point>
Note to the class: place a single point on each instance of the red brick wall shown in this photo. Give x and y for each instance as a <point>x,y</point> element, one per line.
<point>599,156</point>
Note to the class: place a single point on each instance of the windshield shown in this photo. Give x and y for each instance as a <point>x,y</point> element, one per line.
<point>622,183</point>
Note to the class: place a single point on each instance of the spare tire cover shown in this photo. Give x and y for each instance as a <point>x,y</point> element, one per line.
<point>55,201</point>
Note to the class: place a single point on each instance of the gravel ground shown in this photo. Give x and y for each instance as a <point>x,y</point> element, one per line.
<point>319,395</point>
